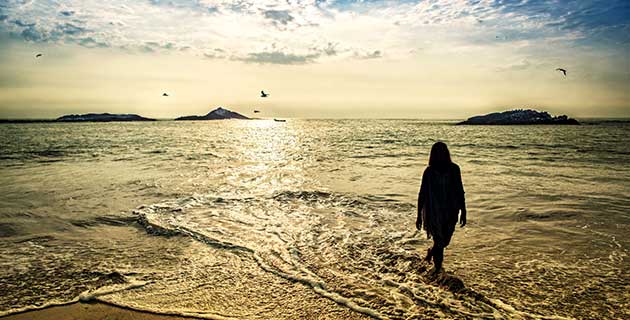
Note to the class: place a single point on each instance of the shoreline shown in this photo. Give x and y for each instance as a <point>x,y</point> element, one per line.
<point>92,311</point>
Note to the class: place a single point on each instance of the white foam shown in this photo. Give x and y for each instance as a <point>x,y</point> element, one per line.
<point>522,314</point>
<point>317,285</point>
<point>319,288</point>
<point>173,217</point>
<point>101,294</point>
<point>88,296</point>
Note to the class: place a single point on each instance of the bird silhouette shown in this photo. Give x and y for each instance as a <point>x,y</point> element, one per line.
<point>256,111</point>
<point>164,94</point>
<point>564,71</point>
<point>263,94</point>
<point>38,55</point>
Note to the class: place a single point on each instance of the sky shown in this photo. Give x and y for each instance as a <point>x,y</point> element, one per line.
<point>318,59</point>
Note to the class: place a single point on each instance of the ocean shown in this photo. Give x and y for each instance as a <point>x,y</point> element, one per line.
<point>313,219</point>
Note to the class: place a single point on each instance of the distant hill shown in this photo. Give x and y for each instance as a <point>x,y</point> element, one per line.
<point>216,114</point>
<point>519,116</point>
<point>88,117</point>
<point>101,117</point>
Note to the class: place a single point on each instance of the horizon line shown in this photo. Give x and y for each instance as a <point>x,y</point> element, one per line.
<point>312,118</point>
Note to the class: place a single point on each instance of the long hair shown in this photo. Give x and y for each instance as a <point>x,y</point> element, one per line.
<point>440,156</point>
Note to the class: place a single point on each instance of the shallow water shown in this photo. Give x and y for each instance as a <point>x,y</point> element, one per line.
<point>260,219</point>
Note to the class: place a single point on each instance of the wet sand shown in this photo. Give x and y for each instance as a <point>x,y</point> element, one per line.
<point>90,311</point>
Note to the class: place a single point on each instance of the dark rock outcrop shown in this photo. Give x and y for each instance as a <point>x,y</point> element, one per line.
<point>519,116</point>
<point>101,117</point>
<point>216,114</point>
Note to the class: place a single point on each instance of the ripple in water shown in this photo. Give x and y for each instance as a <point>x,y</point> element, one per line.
<point>251,219</point>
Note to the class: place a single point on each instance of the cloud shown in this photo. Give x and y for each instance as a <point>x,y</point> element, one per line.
<point>69,29</point>
<point>89,42</point>
<point>31,34</point>
<point>279,57</point>
<point>314,30</point>
<point>153,46</point>
<point>216,53</point>
<point>330,49</point>
<point>278,17</point>
<point>521,65</point>
<point>23,24</point>
<point>370,55</point>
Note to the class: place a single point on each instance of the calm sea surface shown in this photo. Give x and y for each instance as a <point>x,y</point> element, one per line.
<point>313,218</point>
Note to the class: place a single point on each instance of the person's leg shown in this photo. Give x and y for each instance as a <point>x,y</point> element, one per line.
<point>429,255</point>
<point>442,242</point>
<point>438,257</point>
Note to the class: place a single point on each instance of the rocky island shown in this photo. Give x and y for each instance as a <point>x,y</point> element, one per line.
<point>88,117</point>
<point>216,114</point>
<point>520,117</point>
<point>101,117</point>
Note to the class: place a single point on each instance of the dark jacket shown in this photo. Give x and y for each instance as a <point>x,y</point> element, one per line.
<point>440,198</point>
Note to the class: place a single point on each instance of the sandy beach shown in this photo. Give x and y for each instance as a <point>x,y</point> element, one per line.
<point>89,311</point>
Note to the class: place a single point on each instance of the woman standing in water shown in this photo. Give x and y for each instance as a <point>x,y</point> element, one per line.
<point>440,199</point>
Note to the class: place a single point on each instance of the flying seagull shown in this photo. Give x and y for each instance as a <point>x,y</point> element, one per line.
<point>38,55</point>
<point>263,94</point>
<point>164,94</point>
<point>564,71</point>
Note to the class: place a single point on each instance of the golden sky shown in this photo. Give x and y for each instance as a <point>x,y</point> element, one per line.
<point>330,59</point>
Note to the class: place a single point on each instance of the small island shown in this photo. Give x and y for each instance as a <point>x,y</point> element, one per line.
<point>101,117</point>
<point>216,114</point>
<point>88,117</point>
<point>519,117</point>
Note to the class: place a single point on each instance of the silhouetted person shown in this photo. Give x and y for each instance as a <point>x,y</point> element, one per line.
<point>440,199</point>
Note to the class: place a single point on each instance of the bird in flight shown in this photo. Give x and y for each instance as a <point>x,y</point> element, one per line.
<point>164,94</point>
<point>38,55</point>
<point>564,71</point>
<point>263,94</point>
<point>256,111</point>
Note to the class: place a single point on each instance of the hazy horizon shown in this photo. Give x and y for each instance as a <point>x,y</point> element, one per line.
<point>256,116</point>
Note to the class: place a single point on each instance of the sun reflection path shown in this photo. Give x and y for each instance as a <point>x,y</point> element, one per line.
<point>269,157</point>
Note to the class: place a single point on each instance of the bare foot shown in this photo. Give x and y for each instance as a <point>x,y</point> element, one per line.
<point>436,271</point>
